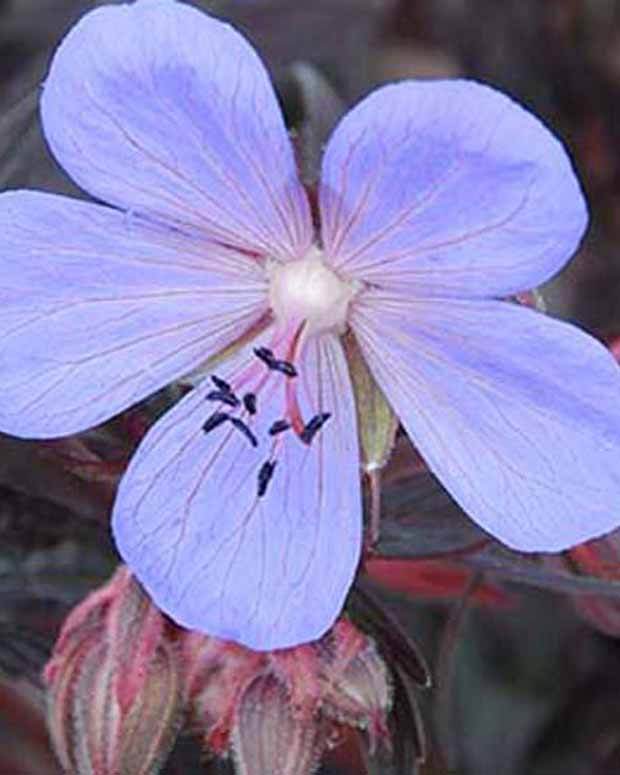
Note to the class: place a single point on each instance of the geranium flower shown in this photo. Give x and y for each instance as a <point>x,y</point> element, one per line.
<point>240,512</point>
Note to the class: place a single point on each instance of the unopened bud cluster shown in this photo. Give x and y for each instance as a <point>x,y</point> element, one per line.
<point>277,711</point>
<point>114,684</point>
<point>123,679</point>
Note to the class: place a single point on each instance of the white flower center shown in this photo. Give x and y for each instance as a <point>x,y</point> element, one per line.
<point>308,289</point>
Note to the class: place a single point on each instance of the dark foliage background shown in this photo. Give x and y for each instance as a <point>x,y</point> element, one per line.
<point>525,684</point>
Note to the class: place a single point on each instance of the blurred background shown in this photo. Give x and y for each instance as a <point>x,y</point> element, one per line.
<point>524,651</point>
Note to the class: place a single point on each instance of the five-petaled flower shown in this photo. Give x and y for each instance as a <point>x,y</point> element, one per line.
<point>240,512</point>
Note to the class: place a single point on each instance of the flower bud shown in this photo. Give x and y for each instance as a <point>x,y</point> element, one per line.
<point>279,711</point>
<point>357,689</point>
<point>215,674</point>
<point>269,737</point>
<point>114,688</point>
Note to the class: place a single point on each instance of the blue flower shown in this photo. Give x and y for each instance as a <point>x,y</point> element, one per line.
<point>240,512</point>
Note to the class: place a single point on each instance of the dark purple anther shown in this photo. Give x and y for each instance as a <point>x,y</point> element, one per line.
<point>249,401</point>
<point>240,425</point>
<point>216,419</point>
<point>284,367</point>
<point>226,398</point>
<point>314,426</point>
<point>221,384</point>
<point>279,426</point>
<point>265,355</point>
<point>264,476</point>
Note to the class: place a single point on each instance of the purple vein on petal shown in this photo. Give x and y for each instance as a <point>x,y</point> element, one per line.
<point>108,310</point>
<point>150,74</point>
<point>227,561</point>
<point>448,188</point>
<point>509,409</point>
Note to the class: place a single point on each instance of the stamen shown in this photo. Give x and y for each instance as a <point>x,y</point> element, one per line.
<point>313,427</point>
<point>221,384</point>
<point>284,367</point>
<point>279,426</point>
<point>268,358</point>
<point>265,355</point>
<point>216,419</point>
<point>249,401</point>
<point>240,425</point>
<point>264,476</point>
<point>226,398</point>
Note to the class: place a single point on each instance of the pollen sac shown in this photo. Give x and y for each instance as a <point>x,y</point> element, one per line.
<point>279,426</point>
<point>264,476</point>
<point>313,427</point>
<point>226,398</point>
<point>114,684</point>
<point>265,355</point>
<point>221,384</point>
<point>245,430</point>
<point>249,402</point>
<point>284,367</point>
<point>214,421</point>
